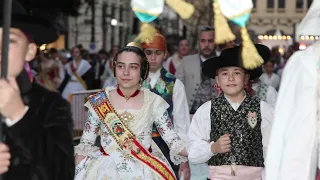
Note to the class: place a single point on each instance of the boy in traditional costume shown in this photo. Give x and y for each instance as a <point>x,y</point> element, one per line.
<point>125,116</point>
<point>38,122</point>
<point>231,131</point>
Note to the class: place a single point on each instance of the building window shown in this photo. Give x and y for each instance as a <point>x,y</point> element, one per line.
<point>254,3</point>
<point>270,4</point>
<point>309,3</point>
<point>281,4</point>
<point>299,4</point>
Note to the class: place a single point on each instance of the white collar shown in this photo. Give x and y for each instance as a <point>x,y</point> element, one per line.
<point>203,59</point>
<point>153,77</point>
<point>235,105</point>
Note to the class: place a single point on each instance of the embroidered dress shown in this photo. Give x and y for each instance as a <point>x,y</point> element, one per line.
<point>117,164</point>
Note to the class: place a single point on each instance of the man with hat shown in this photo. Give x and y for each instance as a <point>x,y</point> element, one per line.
<point>38,123</point>
<point>170,89</point>
<point>231,132</point>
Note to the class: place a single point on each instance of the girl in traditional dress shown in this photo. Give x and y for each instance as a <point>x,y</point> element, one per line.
<point>125,115</point>
<point>231,132</point>
<point>78,76</point>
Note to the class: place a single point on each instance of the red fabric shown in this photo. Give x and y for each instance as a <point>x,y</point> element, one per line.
<point>172,69</point>
<point>250,90</point>
<point>73,69</point>
<point>103,152</point>
<point>318,178</point>
<point>29,71</point>
<point>134,94</point>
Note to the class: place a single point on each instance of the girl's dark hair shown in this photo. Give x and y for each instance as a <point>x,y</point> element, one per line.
<point>144,67</point>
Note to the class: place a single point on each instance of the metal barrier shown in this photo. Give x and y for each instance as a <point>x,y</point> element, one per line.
<point>79,111</point>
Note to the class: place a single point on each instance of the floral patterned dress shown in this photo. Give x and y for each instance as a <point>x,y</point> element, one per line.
<point>118,165</point>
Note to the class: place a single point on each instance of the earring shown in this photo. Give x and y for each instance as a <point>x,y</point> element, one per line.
<point>218,89</point>
<point>141,82</point>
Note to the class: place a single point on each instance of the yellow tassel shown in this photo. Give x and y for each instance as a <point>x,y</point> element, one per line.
<point>147,32</point>
<point>250,56</point>
<point>223,32</point>
<point>184,9</point>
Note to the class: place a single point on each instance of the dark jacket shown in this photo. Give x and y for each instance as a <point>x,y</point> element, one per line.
<point>40,143</point>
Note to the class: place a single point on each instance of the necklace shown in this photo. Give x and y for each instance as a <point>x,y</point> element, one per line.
<point>127,97</point>
<point>126,116</point>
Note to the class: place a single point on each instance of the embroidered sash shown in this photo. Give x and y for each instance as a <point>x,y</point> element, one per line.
<point>79,79</point>
<point>124,137</point>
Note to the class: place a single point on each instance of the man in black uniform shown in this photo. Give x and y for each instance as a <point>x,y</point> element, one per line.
<point>38,123</point>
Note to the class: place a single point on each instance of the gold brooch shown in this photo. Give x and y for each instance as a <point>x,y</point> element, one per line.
<point>126,116</point>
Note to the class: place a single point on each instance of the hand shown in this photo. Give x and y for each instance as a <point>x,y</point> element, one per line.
<point>4,158</point>
<point>11,104</point>
<point>184,152</point>
<point>79,158</point>
<point>222,145</point>
<point>184,168</point>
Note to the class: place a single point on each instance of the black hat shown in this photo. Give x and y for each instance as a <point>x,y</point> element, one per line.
<point>231,57</point>
<point>41,30</point>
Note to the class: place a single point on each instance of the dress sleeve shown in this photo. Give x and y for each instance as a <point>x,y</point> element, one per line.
<point>199,135</point>
<point>181,116</point>
<point>291,150</point>
<point>165,127</point>
<point>90,133</point>
<point>267,112</point>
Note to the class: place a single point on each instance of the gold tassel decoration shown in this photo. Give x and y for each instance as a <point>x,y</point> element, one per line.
<point>250,56</point>
<point>147,32</point>
<point>184,9</point>
<point>223,32</point>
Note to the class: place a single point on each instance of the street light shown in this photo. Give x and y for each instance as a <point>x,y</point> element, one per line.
<point>114,22</point>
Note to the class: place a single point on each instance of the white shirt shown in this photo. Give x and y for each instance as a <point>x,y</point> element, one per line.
<point>273,81</point>
<point>181,116</point>
<point>203,59</point>
<point>10,122</point>
<point>200,128</point>
<point>292,153</point>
